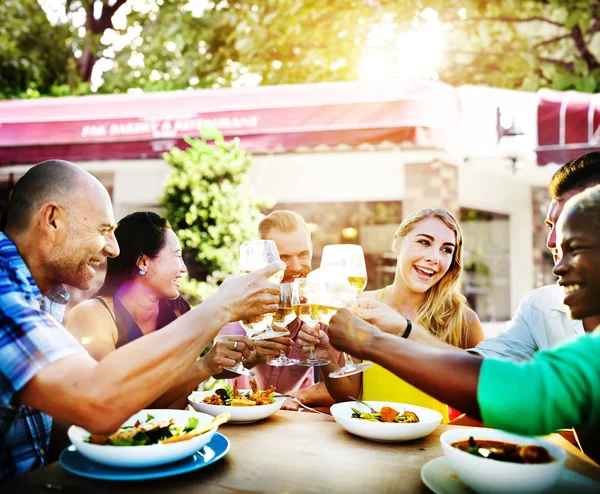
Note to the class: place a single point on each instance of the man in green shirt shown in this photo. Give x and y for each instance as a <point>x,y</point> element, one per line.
<point>560,387</point>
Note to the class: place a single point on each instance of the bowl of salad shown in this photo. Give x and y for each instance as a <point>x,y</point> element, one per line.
<point>149,438</point>
<point>244,405</point>
<point>391,422</point>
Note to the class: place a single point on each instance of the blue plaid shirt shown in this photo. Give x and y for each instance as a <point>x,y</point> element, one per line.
<point>30,339</point>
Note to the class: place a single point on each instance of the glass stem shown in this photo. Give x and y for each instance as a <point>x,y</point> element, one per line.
<point>349,361</point>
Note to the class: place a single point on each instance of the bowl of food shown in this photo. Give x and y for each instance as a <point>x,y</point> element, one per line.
<point>393,421</point>
<point>149,438</point>
<point>498,462</point>
<point>243,405</point>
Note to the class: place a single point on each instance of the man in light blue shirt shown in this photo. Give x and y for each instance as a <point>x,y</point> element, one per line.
<point>542,320</point>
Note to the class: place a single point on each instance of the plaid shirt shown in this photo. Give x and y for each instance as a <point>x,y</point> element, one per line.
<point>29,340</point>
<point>55,303</point>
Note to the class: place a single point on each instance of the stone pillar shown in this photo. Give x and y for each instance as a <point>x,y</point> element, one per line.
<point>431,185</point>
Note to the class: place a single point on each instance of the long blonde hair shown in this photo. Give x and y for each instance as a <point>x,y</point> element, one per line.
<point>443,310</point>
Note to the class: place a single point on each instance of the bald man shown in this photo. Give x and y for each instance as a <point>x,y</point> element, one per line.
<point>60,226</point>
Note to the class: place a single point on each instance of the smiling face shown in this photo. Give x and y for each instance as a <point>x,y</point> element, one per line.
<point>164,271</point>
<point>87,240</point>
<point>578,267</point>
<point>295,250</point>
<point>425,254</point>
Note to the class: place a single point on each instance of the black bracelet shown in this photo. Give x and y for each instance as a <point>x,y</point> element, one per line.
<point>408,329</point>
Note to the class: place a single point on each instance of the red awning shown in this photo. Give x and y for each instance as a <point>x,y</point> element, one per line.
<point>266,118</point>
<point>568,125</point>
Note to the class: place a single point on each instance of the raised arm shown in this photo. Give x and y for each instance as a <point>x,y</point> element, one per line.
<point>559,388</point>
<point>101,395</point>
<point>389,321</point>
<point>450,377</point>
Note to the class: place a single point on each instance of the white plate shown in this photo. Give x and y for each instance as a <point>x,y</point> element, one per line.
<point>239,415</point>
<point>386,432</point>
<point>144,456</point>
<point>501,477</point>
<point>438,476</point>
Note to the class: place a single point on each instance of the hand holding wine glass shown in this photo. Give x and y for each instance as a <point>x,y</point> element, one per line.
<point>285,315</point>
<point>250,295</point>
<point>255,256</point>
<point>316,338</point>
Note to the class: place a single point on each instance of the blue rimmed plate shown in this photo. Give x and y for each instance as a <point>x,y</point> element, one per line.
<point>73,461</point>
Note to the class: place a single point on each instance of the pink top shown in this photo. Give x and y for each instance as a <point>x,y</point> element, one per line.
<point>286,379</point>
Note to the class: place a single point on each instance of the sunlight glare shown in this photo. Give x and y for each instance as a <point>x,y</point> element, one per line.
<point>414,53</point>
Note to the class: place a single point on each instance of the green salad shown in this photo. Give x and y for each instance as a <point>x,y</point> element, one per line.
<point>152,431</point>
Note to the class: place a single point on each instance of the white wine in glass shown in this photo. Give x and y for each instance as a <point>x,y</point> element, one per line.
<point>302,310</point>
<point>255,255</point>
<point>351,259</point>
<point>285,315</point>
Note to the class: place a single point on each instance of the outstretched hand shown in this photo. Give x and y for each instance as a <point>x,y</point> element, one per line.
<point>227,350</point>
<point>350,333</point>
<point>252,294</point>
<point>380,315</point>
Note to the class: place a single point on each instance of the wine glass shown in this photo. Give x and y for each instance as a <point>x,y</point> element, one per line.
<point>302,310</point>
<point>351,259</point>
<point>255,255</point>
<point>326,290</point>
<point>284,316</point>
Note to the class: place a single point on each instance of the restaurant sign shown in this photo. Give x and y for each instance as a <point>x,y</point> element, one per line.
<point>166,128</point>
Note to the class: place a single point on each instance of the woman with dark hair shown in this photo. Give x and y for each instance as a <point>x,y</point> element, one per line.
<point>140,295</point>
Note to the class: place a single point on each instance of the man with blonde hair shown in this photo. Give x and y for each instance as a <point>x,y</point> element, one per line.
<point>291,235</point>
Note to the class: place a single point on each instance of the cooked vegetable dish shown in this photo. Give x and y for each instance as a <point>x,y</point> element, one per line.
<point>386,414</point>
<point>228,396</point>
<point>499,450</point>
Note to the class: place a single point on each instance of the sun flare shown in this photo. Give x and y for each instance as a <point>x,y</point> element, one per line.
<point>414,53</point>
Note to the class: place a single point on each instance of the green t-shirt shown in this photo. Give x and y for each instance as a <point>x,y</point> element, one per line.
<point>559,388</point>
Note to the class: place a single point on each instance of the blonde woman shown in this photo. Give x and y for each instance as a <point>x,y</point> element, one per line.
<point>425,291</point>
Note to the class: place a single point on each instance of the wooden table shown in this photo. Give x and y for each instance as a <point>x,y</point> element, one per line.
<point>292,452</point>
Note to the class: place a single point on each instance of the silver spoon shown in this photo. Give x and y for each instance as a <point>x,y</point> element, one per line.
<point>371,409</point>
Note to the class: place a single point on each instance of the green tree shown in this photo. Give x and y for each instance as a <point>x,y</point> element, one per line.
<point>211,206</point>
<point>519,44</point>
<point>522,44</point>
<point>35,57</point>
<point>177,44</point>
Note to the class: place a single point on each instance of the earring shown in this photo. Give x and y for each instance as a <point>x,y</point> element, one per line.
<point>143,271</point>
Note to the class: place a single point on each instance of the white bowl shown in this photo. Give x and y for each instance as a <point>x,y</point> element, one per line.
<point>240,415</point>
<point>499,477</point>
<point>144,456</point>
<point>386,431</point>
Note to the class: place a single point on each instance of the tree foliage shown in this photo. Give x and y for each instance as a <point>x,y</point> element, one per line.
<point>510,43</point>
<point>35,57</point>
<point>211,206</point>
<point>523,44</point>
<point>178,44</point>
